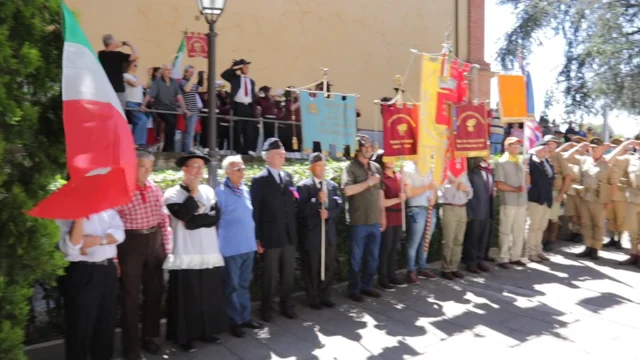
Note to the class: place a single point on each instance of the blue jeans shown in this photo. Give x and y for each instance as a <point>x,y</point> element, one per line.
<point>416,226</point>
<point>187,136</point>
<point>496,148</point>
<point>237,281</point>
<point>139,122</point>
<point>365,243</point>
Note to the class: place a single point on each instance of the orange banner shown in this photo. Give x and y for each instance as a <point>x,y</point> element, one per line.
<point>197,45</point>
<point>513,98</point>
<point>471,131</point>
<point>400,131</point>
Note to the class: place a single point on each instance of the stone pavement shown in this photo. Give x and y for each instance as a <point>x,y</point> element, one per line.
<point>565,308</point>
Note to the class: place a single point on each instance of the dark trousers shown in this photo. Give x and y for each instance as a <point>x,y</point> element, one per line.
<point>141,258</point>
<point>364,248</point>
<point>90,310</point>
<point>237,286</point>
<point>476,241</point>
<point>169,121</point>
<point>245,132</point>
<point>316,289</point>
<point>388,253</point>
<point>279,269</point>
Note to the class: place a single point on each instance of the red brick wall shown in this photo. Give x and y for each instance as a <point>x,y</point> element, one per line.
<point>476,47</point>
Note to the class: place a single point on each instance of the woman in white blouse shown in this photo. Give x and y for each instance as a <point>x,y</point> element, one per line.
<point>90,284</point>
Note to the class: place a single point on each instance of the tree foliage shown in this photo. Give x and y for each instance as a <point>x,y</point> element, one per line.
<point>601,53</point>
<point>31,154</point>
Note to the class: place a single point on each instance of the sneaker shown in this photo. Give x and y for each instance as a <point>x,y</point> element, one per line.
<point>426,274</point>
<point>398,283</point>
<point>387,287</point>
<point>412,278</point>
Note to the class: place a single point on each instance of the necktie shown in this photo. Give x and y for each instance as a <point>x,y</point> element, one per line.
<point>246,86</point>
<point>320,185</point>
<point>280,179</point>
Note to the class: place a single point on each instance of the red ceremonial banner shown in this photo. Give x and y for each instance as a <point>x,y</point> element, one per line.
<point>400,129</point>
<point>453,89</point>
<point>456,167</point>
<point>197,45</point>
<point>472,131</point>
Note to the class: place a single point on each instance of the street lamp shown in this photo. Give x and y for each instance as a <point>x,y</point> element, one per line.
<point>211,11</point>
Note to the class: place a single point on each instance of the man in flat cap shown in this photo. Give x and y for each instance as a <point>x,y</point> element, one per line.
<point>243,97</point>
<point>595,191</point>
<point>510,182</point>
<point>617,211</point>
<point>365,194</point>
<point>274,200</point>
<point>319,202</point>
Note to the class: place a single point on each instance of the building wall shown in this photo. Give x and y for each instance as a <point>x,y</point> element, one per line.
<point>364,43</point>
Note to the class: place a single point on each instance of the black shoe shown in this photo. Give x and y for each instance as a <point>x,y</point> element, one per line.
<point>316,306</point>
<point>236,330</point>
<point>594,254</point>
<point>618,245</point>
<point>473,269</point>
<point>371,293</point>
<point>253,325</point>
<point>458,274</point>
<point>483,267</point>
<point>266,316</point>
<point>290,314</point>
<point>447,275</point>
<point>547,245</point>
<point>609,243</point>
<point>188,347</point>
<point>356,297</point>
<point>585,253</point>
<point>150,346</point>
<point>397,283</point>
<point>386,287</point>
<point>328,303</point>
<point>211,340</point>
<point>576,238</point>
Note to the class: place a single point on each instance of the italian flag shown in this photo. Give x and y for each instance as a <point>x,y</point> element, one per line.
<point>179,60</point>
<point>101,157</point>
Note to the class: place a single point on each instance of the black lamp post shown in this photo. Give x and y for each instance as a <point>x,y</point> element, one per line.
<point>211,10</point>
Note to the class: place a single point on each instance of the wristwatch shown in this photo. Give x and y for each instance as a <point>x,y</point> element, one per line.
<point>104,241</point>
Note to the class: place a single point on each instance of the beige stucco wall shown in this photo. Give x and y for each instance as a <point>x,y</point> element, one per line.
<point>364,43</point>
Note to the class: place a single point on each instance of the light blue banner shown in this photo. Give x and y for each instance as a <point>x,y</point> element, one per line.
<point>327,121</point>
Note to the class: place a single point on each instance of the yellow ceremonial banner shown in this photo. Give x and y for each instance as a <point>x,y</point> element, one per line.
<point>432,138</point>
<point>513,98</point>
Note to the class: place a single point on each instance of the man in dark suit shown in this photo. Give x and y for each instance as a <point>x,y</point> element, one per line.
<point>479,215</point>
<point>319,201</point>
<point>243,97</point>
<point>274,212</point>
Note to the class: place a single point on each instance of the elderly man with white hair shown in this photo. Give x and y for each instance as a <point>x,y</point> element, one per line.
<point>236,233</point>
<point>274,199</point>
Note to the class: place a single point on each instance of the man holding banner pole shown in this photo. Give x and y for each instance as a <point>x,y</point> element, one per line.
<point>319,206</point>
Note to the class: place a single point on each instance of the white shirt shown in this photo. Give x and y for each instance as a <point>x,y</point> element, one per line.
<point>240,96</point>
<point>100,224</point>
<point>132,93</point>
<point>413,177</point>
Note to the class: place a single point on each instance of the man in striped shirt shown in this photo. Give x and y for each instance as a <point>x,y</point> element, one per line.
<point>140,261</point>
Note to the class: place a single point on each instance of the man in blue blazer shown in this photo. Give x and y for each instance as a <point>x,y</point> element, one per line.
<point>319,201</point>
<point>274,199</point>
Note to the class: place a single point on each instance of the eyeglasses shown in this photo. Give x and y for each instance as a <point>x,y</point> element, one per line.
<point>239,168</point>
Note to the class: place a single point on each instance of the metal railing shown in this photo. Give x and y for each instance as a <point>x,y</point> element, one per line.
<point>231,119</point>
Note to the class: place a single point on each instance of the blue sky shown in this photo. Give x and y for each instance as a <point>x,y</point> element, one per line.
<point>544,65</point>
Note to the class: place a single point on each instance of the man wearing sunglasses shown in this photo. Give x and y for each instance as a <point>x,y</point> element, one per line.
<point>236,231</point>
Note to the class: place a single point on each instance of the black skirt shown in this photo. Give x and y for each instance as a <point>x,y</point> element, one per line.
<point>195,306</point>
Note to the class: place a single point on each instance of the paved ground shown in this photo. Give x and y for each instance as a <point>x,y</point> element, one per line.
<point>565,308</point>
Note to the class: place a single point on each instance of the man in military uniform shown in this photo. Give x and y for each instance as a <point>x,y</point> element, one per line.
<point>618,209</point>
<point>561,184</point>
<point>572,202</point>
<point>627,173</point>
<point>595,191</point>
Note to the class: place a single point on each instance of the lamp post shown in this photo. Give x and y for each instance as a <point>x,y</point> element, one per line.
<point>211,11</point>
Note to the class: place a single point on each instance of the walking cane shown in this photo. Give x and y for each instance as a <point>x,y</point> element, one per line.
<point>323,234</point>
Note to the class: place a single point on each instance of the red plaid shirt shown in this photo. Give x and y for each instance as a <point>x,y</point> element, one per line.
<point>146,211</point>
